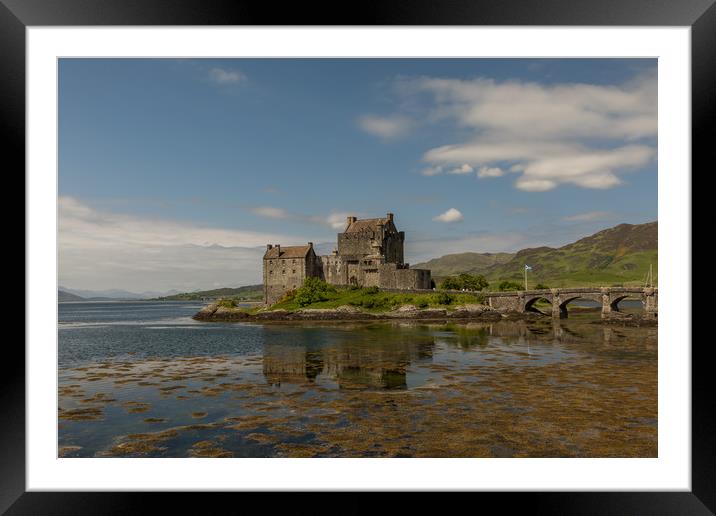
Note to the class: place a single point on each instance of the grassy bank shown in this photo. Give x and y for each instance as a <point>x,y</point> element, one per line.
<point>320,295</point>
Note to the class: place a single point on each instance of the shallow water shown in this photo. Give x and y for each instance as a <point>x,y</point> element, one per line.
<point>143,379</point>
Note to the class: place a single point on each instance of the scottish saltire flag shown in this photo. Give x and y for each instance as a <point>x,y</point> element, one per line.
<point>528,268</point>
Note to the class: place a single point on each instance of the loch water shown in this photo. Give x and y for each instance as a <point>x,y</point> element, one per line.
<point>143,379</point>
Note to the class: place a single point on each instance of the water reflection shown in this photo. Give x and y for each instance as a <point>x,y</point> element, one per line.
<point>548,388</point>
<point>389,355</point>
<point>379,359</point>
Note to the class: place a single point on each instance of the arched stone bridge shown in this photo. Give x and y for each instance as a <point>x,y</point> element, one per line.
<point>559,298</point>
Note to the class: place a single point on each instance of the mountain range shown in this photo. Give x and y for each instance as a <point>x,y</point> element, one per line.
<point>97,295</point>
<point>621,255</point>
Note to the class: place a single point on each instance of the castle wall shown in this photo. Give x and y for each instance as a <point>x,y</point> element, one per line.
<point>334,270</point>
<point>412,279</point>
<point>393,247</point>
<point>282,275</point>
<point>354,244</point>
<point>387,275</point>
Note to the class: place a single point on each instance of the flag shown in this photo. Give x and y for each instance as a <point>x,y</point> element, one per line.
<point>528,268</point>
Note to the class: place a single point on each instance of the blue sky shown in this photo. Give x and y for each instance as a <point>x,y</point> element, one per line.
<point>175,173</point>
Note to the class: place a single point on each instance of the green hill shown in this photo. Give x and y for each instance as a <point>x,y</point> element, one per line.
<point>246,293</point>
<point>472,263</point>
<point>616,256</point>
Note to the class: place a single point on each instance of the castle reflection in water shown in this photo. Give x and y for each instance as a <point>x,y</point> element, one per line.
<point>378,356</point>
<point>352,363</point>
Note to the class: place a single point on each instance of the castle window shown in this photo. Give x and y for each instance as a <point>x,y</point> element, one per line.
<point>283,271</point>
<point>293,271</point>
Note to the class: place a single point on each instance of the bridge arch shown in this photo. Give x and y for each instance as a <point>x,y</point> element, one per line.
<point>531,300</point>
<point>567,298</point>
<point>615,300</point>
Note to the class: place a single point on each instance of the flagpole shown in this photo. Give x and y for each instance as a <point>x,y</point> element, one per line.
<point>525,277</point>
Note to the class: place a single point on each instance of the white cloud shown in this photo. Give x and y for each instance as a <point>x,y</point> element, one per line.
<point>337,220</point>
<point>588,216</point>
<point>462,170</point>
<point>223,76</point>
<point>387,128</point>
<point>537,111</point>
<point>452,215</point>
<point>100,249</point>
<point>581,134</point>
<point>490,172</point>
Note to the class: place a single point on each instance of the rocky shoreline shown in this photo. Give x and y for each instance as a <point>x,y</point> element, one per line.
<point>473,312</point>
<point>217,313</point>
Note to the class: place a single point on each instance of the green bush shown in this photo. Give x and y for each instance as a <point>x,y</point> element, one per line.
<point>288,296</point>
<point>541,286</point>
<point>422,303</point>
<point>442,298</point>
<point>226,303</point>
<point>506,286</point>
<point>313,291</point>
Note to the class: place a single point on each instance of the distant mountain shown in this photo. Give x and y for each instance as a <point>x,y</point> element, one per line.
<point>63,296</point>
<point>246,292</point>
<point>116,293</point>
<point>614,256</point>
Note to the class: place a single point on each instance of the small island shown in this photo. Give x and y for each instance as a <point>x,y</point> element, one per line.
<point>318,301</point>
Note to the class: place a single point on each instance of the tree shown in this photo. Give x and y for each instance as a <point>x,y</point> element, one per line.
<point>506,286</point>
<point>473,282</point>
<point>464,282</point>
<point>451,283</point>
<point>541,286</point>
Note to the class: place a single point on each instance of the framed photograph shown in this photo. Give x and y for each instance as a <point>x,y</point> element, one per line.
<point>413,250</point>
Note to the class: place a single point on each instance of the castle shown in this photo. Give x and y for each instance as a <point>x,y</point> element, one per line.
<point>369,253</point>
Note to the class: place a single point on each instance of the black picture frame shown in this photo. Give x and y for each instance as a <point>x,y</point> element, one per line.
<point>700,15</point>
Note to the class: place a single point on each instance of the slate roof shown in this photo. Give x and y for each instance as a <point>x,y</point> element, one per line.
<point>362,225</point>
<point>296,251</point>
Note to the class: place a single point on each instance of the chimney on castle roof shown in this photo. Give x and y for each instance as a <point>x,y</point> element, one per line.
<point>269,247</point>
<point>278,248</point>
<point>310,244</point>
<point>350,220</point>
<point>390,216</point>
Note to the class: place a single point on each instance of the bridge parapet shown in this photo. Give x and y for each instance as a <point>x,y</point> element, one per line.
<point>559,298</point>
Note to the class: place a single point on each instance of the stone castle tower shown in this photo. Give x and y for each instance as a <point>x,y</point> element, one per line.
<point>369,253</point>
